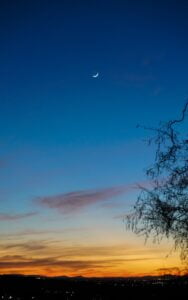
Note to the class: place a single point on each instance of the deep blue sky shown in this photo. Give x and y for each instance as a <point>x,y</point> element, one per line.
<point>49,51</point>
<point>63,130</point>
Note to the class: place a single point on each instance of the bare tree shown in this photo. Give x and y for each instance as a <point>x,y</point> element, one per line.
<point>162,210</point>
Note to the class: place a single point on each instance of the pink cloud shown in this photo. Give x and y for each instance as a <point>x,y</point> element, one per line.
<point>78,200</point>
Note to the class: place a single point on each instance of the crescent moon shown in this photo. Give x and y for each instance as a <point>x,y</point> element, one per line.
<point>95,75</point>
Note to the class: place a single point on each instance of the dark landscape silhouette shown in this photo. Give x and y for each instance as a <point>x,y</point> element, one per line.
<point>39,287</point>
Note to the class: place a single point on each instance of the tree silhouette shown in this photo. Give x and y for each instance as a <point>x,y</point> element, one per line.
<point>162,210</point>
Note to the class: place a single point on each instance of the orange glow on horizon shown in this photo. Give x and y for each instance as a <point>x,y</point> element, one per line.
<point>112,258</point>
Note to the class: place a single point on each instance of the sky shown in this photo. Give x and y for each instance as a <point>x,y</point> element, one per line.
<point>71,154</point>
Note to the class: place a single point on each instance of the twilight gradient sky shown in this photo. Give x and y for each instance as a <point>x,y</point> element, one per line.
<point>70,151</point>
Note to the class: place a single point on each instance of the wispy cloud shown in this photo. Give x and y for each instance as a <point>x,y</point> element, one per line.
<point>54,262</point>
<point>14,217</point>
<point>51,262</point>
<point>34,232</point>
<point>63,250</point>
<point>78,200</point>
<point>28,246</point>
<point>53,258</point>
